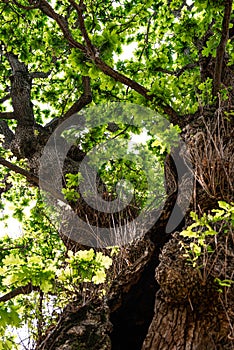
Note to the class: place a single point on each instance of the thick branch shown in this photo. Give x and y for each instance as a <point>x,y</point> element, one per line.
<point>79,9</point>
<point>7,115</point>
<point>5,98</point>
<point>7,133</point>
<point>21,91</point>
<point>29,176</point>
<point>20,290</point>
<point>221,47</point>
<point>93,54</point>
<point>14,247</point>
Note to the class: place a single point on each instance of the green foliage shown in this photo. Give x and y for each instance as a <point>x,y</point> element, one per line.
<point>84,266</point>
<point>219,222</point>
<point>171,30</point>
<point>148,41</point>
<point>223,283</point>
<point>205,89</point>
<point>39,258</point>
<point>60,276</point>
<point>70,191</point>
<point>140,163</point>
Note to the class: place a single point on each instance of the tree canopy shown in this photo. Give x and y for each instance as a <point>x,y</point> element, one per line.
<point>174,58</point>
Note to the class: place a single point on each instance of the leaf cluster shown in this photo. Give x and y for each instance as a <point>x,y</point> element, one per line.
<point>197,236</point>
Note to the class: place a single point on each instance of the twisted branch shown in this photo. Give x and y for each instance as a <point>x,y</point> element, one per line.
<point>92,53</point>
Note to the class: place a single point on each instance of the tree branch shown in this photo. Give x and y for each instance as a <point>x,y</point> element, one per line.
<point>79,9</point>
<point>221,47</point>
<point>200,42</point>
<point>147,35</point>
<point>31,178</point>
<point>91,53</point>
<point>7,133</point>
<point>94,56</point>
<point>5,98</point>
<point>39,75</point>
<point>179,71</point>
<point>14,247</point>
<point>7,115</point>
<point>62,22</point>
<point>84,99</point>
<point>20,290</point>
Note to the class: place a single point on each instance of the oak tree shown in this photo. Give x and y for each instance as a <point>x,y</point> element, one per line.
<point>61,59</point>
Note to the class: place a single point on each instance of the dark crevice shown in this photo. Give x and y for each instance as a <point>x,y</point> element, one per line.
<point>133,318</point>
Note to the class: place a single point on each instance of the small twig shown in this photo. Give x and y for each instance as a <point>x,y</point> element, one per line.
<point>32,7</point>
<point>179,71</point>
<point>147,35</point>
<point>15,247</point>
<point>47,9</point>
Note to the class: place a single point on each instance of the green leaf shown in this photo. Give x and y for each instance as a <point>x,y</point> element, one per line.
<point>46,286</point>
<point>12,260</point>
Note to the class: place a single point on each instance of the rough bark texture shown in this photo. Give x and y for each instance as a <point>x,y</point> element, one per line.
<point>189,311</point>
<point>177,327</point>
<point>80,327</point>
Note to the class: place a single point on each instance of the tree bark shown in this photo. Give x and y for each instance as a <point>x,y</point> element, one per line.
<point>178,327</point>
<point>80,327</point>
<point>177,310</point>
<point>189,312</point>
